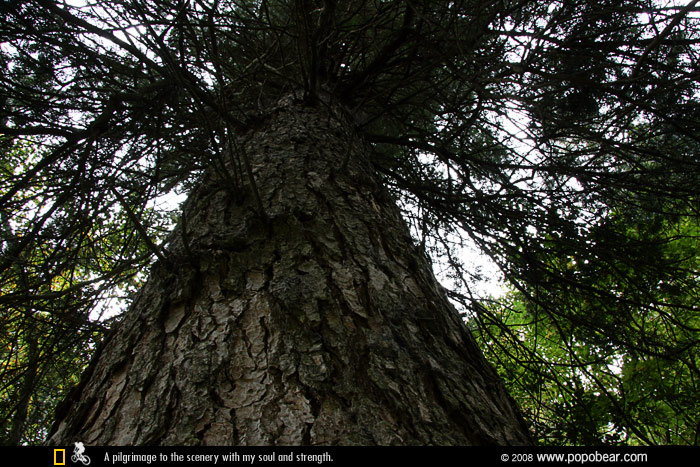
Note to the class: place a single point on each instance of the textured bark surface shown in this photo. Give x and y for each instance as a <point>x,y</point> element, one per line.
<point>318,324</point>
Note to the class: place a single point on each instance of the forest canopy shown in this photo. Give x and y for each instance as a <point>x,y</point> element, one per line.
<point>561,139</point>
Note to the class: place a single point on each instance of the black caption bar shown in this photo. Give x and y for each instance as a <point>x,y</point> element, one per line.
<point>125,456</point>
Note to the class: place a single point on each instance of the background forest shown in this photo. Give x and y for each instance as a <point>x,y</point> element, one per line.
<point>560,139</point>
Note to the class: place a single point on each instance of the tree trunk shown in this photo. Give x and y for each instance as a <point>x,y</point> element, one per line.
<point>314,322</point>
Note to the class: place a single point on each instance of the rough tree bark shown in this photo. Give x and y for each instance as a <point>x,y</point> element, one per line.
<point>317,322</point>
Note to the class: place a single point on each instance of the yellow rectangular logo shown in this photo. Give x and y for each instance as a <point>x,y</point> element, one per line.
<point>59,457</point>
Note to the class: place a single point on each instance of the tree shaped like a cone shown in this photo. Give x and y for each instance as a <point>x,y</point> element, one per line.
<point>315,321</point>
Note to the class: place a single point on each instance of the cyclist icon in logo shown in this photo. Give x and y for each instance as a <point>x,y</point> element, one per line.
<point>78,454</point>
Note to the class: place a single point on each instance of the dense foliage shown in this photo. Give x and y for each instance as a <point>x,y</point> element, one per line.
<point>561,138</point>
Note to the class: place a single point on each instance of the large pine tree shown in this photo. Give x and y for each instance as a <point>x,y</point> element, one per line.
<point>303,314</point>
<point>326,149</point>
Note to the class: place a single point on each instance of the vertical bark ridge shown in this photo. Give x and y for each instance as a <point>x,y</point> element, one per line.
<point>320,324</point>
